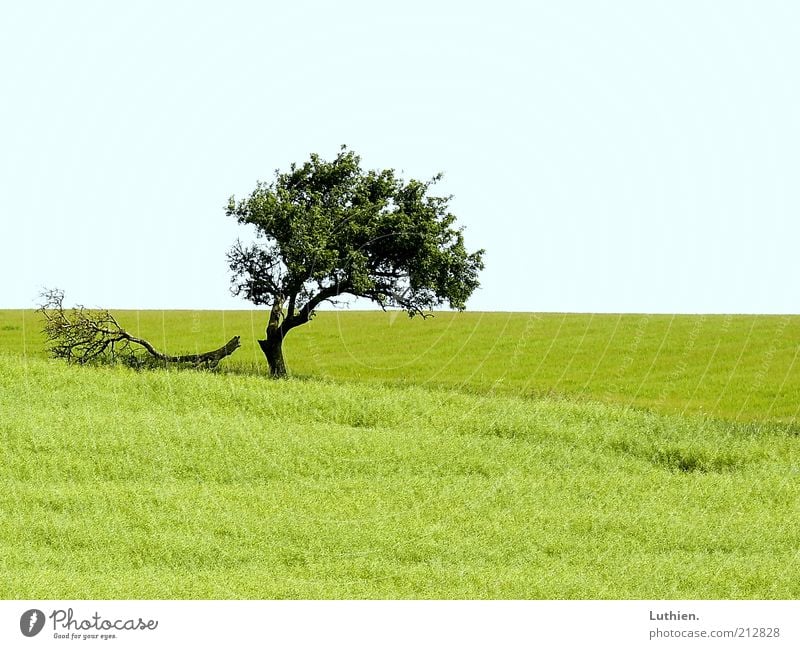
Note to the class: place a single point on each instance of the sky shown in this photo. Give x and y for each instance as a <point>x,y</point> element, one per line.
<point>610,157</point>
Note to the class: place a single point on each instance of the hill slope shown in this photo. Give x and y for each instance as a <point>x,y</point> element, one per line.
<point>116,484</point>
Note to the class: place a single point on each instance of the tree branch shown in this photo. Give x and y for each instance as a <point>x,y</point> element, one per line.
<point>83,336</point>
<point>292,303</point>
<point>307,310</point>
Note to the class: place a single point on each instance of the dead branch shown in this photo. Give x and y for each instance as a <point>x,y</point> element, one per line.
<point>81,335</point>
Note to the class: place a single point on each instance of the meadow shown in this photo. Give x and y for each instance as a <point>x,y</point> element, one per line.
<point>740,368</point>
<point>471,455</point>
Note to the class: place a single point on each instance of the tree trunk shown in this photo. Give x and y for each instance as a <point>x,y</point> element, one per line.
<point>273,345</point>
<point>273,350</point>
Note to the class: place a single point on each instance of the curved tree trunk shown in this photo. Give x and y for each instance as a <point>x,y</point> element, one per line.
<point>273,350</point>
<point>273,345</point>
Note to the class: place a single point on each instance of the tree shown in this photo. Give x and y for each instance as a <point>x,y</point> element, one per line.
<point>81,335</point>
<point>328,228</point>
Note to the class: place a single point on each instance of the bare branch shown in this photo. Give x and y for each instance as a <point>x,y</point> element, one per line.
<point>80,335</point>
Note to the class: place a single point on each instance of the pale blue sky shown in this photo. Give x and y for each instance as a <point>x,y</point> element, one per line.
<point>620,156</point>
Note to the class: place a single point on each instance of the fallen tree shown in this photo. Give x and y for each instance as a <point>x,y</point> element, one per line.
<point>81,335</point>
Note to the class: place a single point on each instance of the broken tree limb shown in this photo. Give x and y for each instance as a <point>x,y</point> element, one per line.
<point>210,359</point>
<point>82,336</point>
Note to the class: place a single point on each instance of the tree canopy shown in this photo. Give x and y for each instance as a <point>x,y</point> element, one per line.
<point>328,228</point>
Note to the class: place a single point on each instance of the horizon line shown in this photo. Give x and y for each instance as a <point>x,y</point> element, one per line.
<point>265,309</point>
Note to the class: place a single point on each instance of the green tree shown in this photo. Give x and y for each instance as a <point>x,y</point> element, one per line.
<point>328,228</point>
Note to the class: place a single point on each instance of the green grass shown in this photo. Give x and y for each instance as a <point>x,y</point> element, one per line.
<point>420,462</point>
<point>739,368</point>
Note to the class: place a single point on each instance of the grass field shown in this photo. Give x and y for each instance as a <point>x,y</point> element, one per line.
<point>468,456</point>
<point>741,368</point>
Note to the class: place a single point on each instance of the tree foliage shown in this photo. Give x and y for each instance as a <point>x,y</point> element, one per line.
<point>328,228</point>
